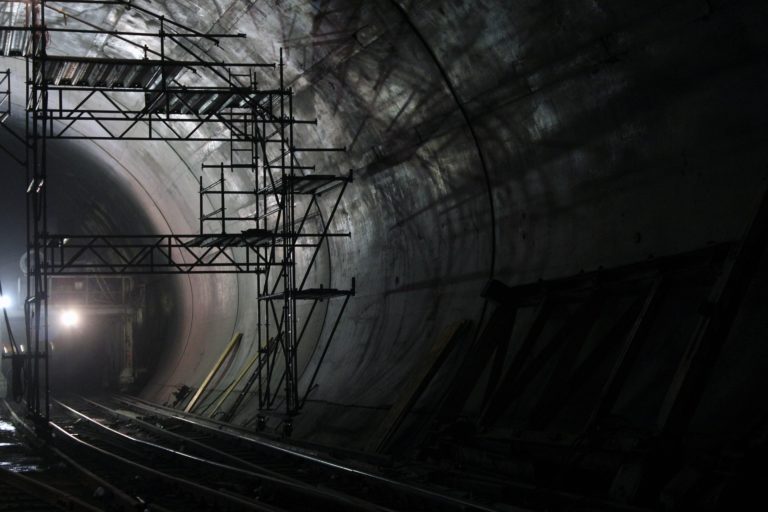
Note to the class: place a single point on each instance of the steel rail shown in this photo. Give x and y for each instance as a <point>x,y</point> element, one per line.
<point>273,478</point>
<point>45,494</point>
<point>303,454</point>
<point>128,501</point>
<point>182,482</point>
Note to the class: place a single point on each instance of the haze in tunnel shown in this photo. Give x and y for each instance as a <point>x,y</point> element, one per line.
<point>89,198</point>
<point>519,141</point>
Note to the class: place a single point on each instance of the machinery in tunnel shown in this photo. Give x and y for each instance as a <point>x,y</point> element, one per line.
<point>520,245</point>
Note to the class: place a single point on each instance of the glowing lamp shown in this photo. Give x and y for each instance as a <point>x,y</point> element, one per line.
<point>70,318</point>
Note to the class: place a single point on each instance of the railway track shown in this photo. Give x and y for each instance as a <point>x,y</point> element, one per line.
<point>21,493</point>
<point>34,475</point>
<point>166,461</point>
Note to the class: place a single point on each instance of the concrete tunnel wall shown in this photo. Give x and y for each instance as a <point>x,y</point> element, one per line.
<point>605,132</point>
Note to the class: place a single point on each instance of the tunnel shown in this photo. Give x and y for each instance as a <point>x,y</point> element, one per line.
<point>536,186</point>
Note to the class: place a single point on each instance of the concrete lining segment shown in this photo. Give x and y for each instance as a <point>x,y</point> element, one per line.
<point>607,128</point>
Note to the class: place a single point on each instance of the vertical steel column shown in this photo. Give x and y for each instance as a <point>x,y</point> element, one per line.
<point>262,334</point>
<point>223,199</point>
<point>288,296</point>
<point>44,266</point>
<point>201,204</point>
<point>29,151</point>
<point>164,84</point>
<point>36,307</point>
<point>29,142</point>
<point>269,253</point>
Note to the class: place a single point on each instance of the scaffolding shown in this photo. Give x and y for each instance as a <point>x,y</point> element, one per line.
<point>5,95</point>
<point>174,92</point>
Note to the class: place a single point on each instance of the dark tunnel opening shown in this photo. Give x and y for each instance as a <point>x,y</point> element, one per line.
<point>92,318</point>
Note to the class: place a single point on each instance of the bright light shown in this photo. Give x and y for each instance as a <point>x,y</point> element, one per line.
<point>5,301</point>
<point>70,318</point>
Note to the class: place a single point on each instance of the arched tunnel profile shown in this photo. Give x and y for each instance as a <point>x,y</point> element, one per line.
<point>526,241</point>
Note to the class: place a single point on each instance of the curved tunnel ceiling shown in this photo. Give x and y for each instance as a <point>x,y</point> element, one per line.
<point>517,140</point>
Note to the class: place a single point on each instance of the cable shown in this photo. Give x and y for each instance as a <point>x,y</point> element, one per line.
<point>475,139</point>
<point>470,126</point>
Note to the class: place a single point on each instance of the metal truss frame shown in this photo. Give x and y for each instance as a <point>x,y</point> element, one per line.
<point>285,197</point>
<point>70,97</point>
<point>5,94</point>
<point>167,254</point>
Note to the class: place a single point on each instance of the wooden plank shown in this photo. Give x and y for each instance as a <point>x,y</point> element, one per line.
<point>629,349</point>
<point>717,317</point>
<point>497,402</point>
<point>572,338</point>
<point>227,351</point>
<point>416,385</point>
<point>628,329</point>
<point>520,379</point>
<point>234,384</point>
<point>497,330</point>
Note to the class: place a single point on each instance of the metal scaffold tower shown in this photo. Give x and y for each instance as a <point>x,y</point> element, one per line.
<point>174,92</point>
<point>266,159</point>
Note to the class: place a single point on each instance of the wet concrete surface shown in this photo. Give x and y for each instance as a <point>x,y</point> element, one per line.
<point>15,455</point>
